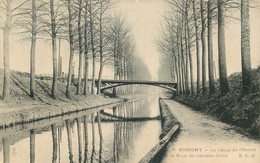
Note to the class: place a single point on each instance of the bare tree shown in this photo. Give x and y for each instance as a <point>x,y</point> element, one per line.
<point>185,15</point>
<point>92,40</point>
<point>7,23</point>
<point>203,43</point>
<point>69,6</point>
<point>224,88</point>
<point>189,48</point>
<point>33,46</point>
<point>30,26</point>
<point>103,41</point>
<point>80,45</point>
<point>197,45</point>
<point>119,30</point>
<point>53,24</point>
<point>54,50</point>
<point>86,47</point>
<point>245,47</point>
<point>6,32</point>
<point>210,49</point>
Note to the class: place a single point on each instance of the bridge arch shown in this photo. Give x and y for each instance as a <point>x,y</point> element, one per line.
<point>118,85</point>
<point>108,84</point>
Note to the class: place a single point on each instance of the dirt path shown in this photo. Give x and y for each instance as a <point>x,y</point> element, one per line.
<point>203,139</point>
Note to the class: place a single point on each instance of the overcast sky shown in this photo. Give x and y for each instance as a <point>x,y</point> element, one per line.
<point>145,17</point>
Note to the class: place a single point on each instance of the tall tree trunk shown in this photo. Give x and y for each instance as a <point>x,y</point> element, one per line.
<point>179,64</point>
<point>93,48</point>
<point>86,49</point>
<point>190,59</point>
<point>197,46</point>
<point>86,74</point>
<point>245,47</point>
<point>210,49</point>
<point>54,51</point>
<point>177,68</point>
<point>183,66</point>
<point>203,42</point>
<point>59,61</point>
<point>187,56</point>
<point>6,31</point>
<point>71,51</point>
<point>93,74</point>
<point>80,47</point>
<point>224,88</point>
<point>114,90</point>
<point>100,78</point>
<point>100,49</point>
<point>125,70</point>
<point>173,67</point>
<point>32,54</point>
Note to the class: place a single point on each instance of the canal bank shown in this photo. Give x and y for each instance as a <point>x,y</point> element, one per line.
<point>31,113</point>
<point>23,109</point>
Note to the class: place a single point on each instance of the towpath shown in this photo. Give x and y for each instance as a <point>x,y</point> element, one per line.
<point>204,139</point>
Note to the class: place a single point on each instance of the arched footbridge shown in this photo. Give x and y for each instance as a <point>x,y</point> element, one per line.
<point>107,84</point>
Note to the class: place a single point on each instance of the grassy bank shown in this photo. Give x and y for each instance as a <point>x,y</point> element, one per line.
<point>234,108</point>
<point>168,120</point>
<point>22,108</point>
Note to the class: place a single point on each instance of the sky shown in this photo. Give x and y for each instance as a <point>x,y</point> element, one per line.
<point>145,17</point>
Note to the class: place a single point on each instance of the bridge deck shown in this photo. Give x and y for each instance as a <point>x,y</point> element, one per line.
<point>133,81</point>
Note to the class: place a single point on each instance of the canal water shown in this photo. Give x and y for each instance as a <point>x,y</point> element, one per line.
<point>81,137</point>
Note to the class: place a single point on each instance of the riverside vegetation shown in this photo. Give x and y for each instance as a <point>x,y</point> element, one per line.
<point>234,107</point>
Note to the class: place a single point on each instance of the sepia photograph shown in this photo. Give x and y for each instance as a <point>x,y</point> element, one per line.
<point>129,81</point>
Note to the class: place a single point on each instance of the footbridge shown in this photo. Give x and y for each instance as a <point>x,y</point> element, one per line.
<point>107,84</point>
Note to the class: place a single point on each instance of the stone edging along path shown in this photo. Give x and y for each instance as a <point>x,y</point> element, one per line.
<point>170,129</point>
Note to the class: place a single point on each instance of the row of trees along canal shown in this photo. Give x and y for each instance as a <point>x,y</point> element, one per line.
<point>186,25</point>
<point>89,28</point>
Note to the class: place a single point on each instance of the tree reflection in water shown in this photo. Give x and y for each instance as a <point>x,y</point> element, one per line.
<point>69,141</point>
<point>113,146</point>
<point>93,136</point>
<point>100,136</point>
<point>86,138</point>
<point>6,150</point>
<point>32,146</point>
<point>54,142</point>
<point>79,138</point>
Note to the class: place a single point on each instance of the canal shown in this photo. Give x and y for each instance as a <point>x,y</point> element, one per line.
<point>81,137</point>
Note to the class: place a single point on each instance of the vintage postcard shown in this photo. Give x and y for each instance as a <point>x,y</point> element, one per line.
<point>125,81</point>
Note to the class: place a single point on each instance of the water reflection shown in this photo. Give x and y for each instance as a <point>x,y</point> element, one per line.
<point>93,137</point>
<point>55,143</point>
<point>6,148</point>
<point>114,141</point>
<point>100,136</point>
<point>69,141</point>
<point>79,138</point>
<point>32,146</point>
<point>86,138</point>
